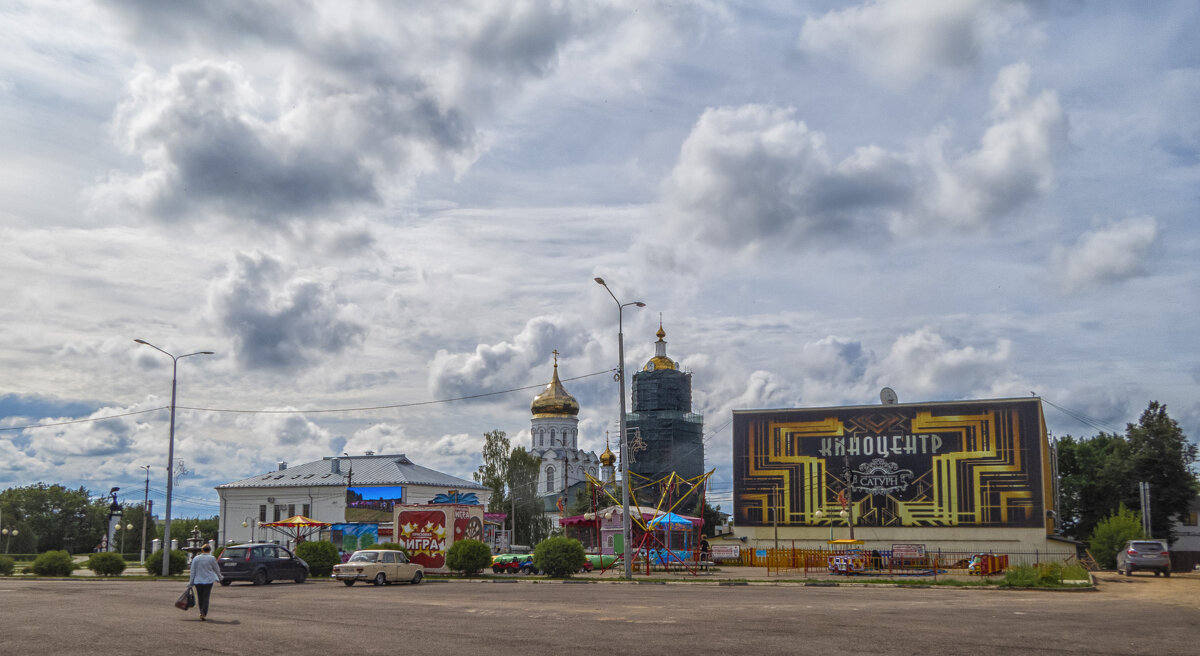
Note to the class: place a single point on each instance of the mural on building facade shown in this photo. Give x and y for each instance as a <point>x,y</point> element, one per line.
<point>970,463</point>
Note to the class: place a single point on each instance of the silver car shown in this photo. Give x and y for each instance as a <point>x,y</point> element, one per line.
<point>1144,554</point>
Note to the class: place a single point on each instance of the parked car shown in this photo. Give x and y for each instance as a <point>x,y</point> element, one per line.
<point>1144,554</point>
<point>379,566</point>
<point>260,564</point>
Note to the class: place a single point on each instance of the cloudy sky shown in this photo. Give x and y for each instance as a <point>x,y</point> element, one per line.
<point>361,204</point>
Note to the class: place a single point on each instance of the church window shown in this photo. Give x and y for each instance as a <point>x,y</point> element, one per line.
<point>549,479</point>
<point>551,437</point>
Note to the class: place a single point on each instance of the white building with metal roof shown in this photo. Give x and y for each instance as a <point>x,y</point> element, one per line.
<point>321,489</point>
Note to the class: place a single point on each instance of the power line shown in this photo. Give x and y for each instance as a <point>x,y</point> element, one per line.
<point>317,411</point>
<point>84,421</point>
<point>1080,417</point>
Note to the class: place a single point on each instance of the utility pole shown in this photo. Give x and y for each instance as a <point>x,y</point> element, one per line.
<point>775,515</point>
<point>145,511</point>
<point>1144,494</point>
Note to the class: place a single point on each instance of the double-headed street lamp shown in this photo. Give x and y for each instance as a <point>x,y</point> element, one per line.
<point>8,536</point>
<point>626,529</point>
<point>170,450</point>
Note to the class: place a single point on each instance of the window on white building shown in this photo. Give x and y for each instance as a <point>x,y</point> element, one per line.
<point>549,479</point>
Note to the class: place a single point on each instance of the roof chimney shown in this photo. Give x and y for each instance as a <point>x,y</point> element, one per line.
<point>369,453</point>
<point>335,466</point>
<point>282,465</point>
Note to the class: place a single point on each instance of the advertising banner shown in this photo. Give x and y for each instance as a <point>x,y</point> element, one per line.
<point>372,503</point>
<point>966,463</point>
<point>427,532</point>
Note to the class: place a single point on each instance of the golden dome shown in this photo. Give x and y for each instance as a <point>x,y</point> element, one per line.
<point>608,458</point>
<point>660,361</point>
<point>554,400</point>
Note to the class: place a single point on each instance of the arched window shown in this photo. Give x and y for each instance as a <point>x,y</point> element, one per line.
<point>550,479</point>
<point>551,437</point>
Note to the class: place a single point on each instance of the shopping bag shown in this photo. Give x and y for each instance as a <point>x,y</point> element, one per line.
<point>186,600</point>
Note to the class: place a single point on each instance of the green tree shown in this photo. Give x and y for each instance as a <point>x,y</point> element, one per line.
<point>1099,474</point>
<point>52,517</point>
<point>530,524</point>
<point>181,529</point>
<point>1112,533</point>
<point>493,473</point>
<point>1094,477</point>
<point>1161,455</point>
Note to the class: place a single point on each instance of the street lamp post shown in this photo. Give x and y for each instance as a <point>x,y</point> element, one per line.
<point>626,528</point>
<point>127,528</point>
<point>145,512</point>
<point>170,450</point>
<point>252,524</point>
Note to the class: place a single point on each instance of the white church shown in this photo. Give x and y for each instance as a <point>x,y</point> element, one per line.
<point>555,437</point>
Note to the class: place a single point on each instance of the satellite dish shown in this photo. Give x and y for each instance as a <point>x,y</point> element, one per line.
<point>887,396</point>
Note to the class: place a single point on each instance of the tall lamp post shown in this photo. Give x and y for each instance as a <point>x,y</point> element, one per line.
<point>170,450</point>
<point>145,512</point>
<point>626,528</point>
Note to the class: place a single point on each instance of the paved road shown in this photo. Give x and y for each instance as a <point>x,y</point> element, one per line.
<point>530,619</point>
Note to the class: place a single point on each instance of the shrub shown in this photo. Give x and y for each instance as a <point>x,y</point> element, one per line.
<point>469,557</point>
<point>1049,574</point>
<point>53,563</point>
<point>106,563</point>
<point>321,556</point>
<point>1021,576</point>
<point>559,556</point>
<point>7,565</point>
<point>1111,533</point>
<point>178,563</point>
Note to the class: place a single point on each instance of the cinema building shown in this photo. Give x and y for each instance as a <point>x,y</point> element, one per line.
<point>957,476</point>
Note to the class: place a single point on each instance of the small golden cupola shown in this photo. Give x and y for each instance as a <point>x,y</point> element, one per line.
<point>554,401</point>
<point>660,361</point>
<point>608,458</point>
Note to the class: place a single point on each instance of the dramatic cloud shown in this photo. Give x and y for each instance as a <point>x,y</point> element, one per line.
<point>279,322</point>
<point>1014,163</point>
<point>1107,255</point>
<point>346,110</point>
<point>754,175</point>
<point>900,41</point>
<point>209,147</point>
<point>493,367</point>
<point>928,365</point>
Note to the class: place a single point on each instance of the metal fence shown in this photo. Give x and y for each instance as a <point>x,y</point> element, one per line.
<point>808,560</point>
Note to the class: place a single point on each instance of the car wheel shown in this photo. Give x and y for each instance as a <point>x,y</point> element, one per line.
<point>1128,571</point>
<point>416,579</point>
<point>301,577</point>
<point>260,578</point>
<point>1167,573</point>
<point>380,579</point>
<point>225,581</point>
<point>348,582</point>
